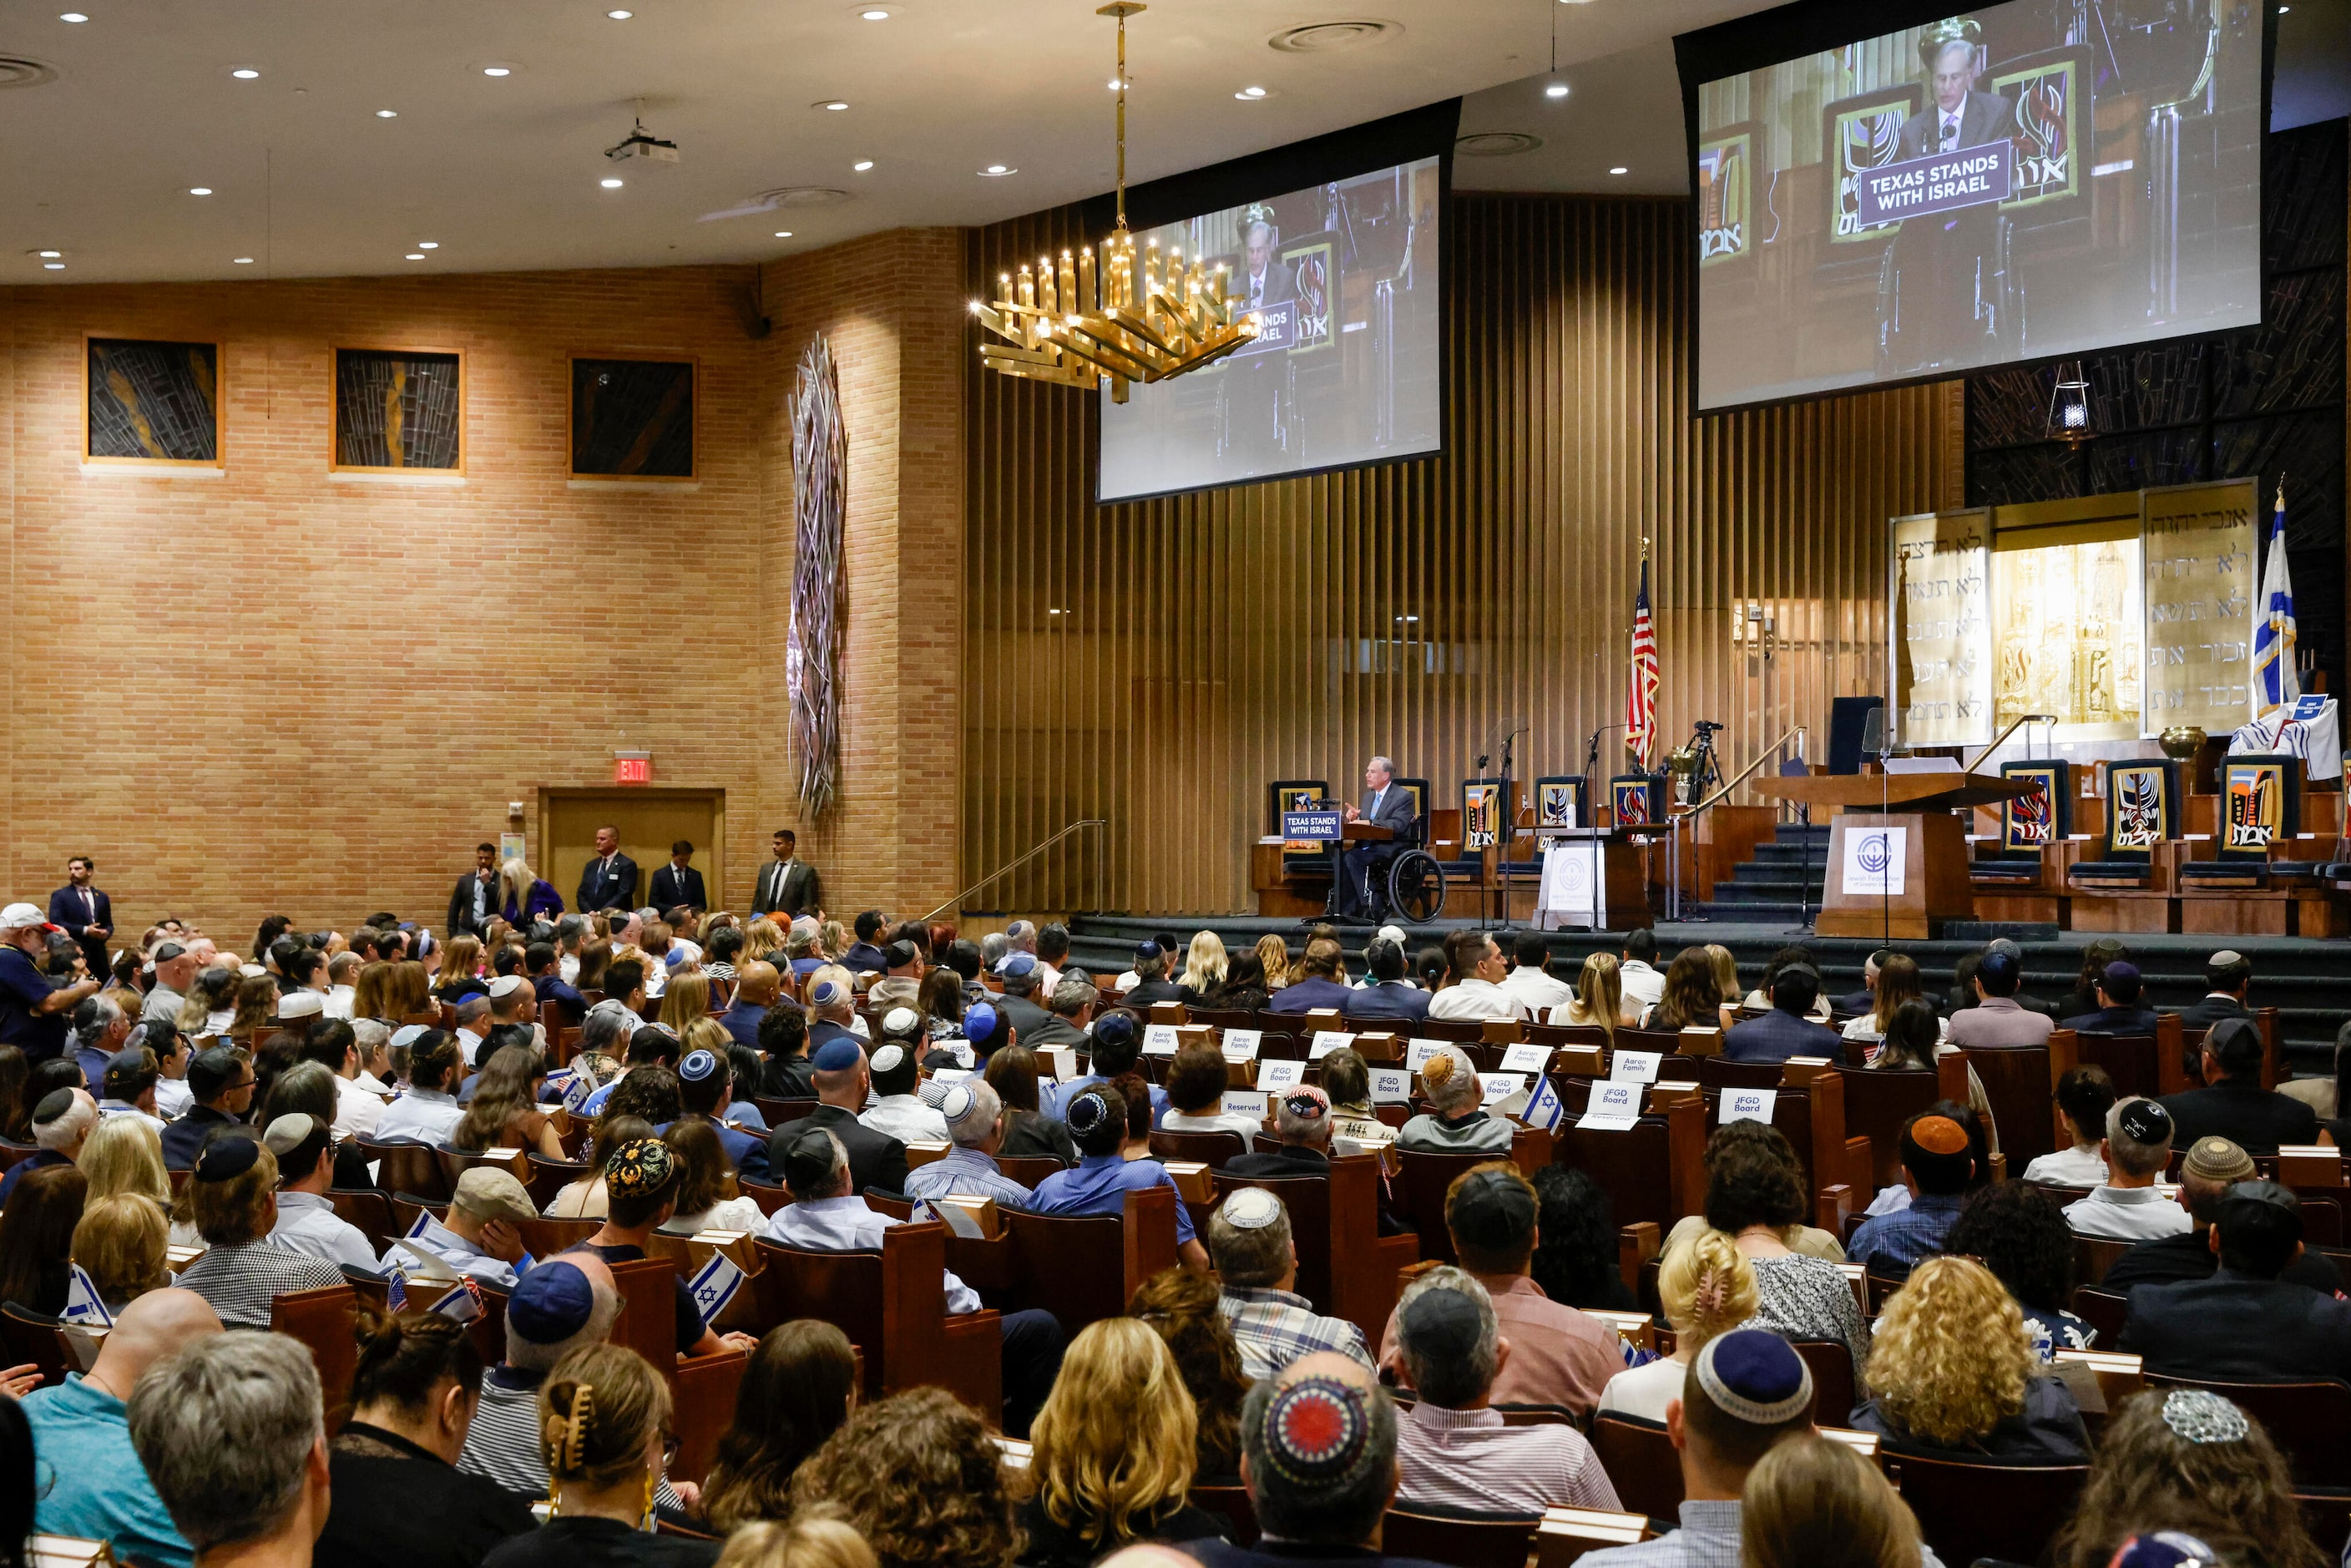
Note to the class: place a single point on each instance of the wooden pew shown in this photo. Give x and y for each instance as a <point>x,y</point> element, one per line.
<point>2020,1083</point>
<point>648,1320</point>
<point>1877,1103</point>
<point>321,1319</point>
<point>1345,1267</point>
<point>705,1409</point>
<point>1082,1269</point>
<point>1654,1172</point>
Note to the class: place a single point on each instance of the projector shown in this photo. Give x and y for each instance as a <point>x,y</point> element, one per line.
<point>642,146</point>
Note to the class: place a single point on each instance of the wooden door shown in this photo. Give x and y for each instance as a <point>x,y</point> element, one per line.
<point>649,822</point>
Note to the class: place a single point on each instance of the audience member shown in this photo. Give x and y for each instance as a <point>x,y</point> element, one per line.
<point>1319,1458</point>
<point>1537,989</point>
<point>2234,1106</point>
<point>2228,974</point>
<point>306,1222</point>
<point>62,1123</point>
<point>1185,1309</point>
<point>1067,1009</point>
<point>641,1184</point>
<point>1788,1029</point>
<point>232,1432</point>
<point>399,1499</point>
<point>1117,1051</point>
<point>1814,1503</point>
<point>1734,1142</point>
<point>1453,1450</point>
<point>2245,1324</point>
<point>1954,1374</point>
<point>1196,1080</point>
<point>1937,1165</point>
<point>706,1178</point>
<point>896,1111</point>
<point>1689,997</point>
<point>2084,1096</point>
<point>480,1234</point>
<point>37,1234</point>
<point>1104,1175</point>
<point>2018,1232</point>
<point>1477,991</point>
<point>2118,1011</point>
<point>1011,1071</point>
<point>234,1196</point>
<point>843,1085</point>
<point>1386,994</point>
<point>1255,1258</point>
<point>1995,1018</point>
<point>81,1429</point>
<point>976,1120</point>
<point>1456,1121</point>
<point>586,1195</point>
<point>2211,1167</point>
<point>427,1110</point>
<point>1705,1288</point>
<point>1754,1196</point>
<point>2084,996</point>
<point>1302,1118</point>
<point>2191,1461</point>
<point>1113,1451</point>
<point>816,1538</point>
<point>1151,982</point>
<point>122,1244</point>
<point>1597,1000</point>
<point>1576,1261</point>
<point>2127,1207</point>
<point>799,1386</point>
<point>567,1301</point>
<point>921,1479</point>
<point>1893,979</point>
<point>1637,969</point>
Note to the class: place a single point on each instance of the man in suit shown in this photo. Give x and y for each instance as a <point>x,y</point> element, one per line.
<point>1997,1017</point>
<point>1303,1117</point>
<point>1152,983</point>
<point>84,912</point>
<point>609,880</point>
<point>2213,1166</point>
<point>678,883</point>
<point>1385,805</point>
<point>474,900</point>
<point>1960,116</point>
<point>1389,996</point>
<point>1264,280</point>
<point>2118,1005</point>
<point>1069,1007</point>
<point>2228,975</point>
<point>2245,1324</point>
<point>1785,1031</point>
<point>787,885</point>
<point>2234,1106</point>
<point>1953,291</point>
<point>844,1082</point>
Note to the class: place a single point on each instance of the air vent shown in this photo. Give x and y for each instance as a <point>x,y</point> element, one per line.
<point>805,196</point>
<point>1496,144</point>
<point>1330,37</point>
<point>17,72</point>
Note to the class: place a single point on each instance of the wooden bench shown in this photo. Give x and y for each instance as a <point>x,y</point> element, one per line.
<point>891,1303</point>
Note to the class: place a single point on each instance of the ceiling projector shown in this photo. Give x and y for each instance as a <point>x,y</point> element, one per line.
<point>642,146</point>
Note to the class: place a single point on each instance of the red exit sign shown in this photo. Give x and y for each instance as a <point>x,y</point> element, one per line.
<point>632,768</point>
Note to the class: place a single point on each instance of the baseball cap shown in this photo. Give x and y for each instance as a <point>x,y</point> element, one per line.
<point>17,916</point>
<point>488,1193</point>
<point>550,1302</point>
<point>837,1055</point>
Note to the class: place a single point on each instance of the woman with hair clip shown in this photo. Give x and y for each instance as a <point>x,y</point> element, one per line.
<point>1706,1287</point>
<point>604,1426</point>
<point>399,1500</point>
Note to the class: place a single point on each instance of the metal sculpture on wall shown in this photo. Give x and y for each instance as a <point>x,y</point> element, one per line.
<point>819,504</point>
<point>152,402</point>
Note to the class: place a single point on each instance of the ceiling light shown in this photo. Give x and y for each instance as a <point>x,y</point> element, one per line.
<point>415,256</point>
<point>72,16</point>
<point>244,73</point>
<point>387,114</point>
<point>998,171</point>
<point>50,255</point>
<point>834,104</point>
<point>873,14</point>
<point>862,165</point>
<point>1556,89</point>
<point>497,70</point>
<point>1620,169</point>
<point>1251,92</point>
<point>244,261</point>
<point>428,245</point>
<point>200,190</point>
<point>1116,84</point>
<point>610,185</point>
<point>55,265</point>
<point>619,16</point>
<point>783,234</point>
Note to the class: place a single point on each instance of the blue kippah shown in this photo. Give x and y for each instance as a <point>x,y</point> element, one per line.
<point>837,1055</point>
<point>1114,1029</point>
<point>1017,964</point>
<point>697,1066</point>
<point>2001,966</point>
<point>827,993</point>
<point>979,1023</point>
<point>1754,1375</point>
<point>550,1302</point>
<point>228,1155</point>
<point>1090,1109</point>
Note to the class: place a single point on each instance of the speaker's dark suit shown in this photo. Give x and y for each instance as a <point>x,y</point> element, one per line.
<point>67,909</point>
<point>608,887</point>
<point>1984,117</point>
<point>785,889</point>
<point>461,903</point>
<point>1391,809</point>
<point>673,887</point>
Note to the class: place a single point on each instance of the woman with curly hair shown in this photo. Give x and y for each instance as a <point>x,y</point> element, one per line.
<point>1954,1374</point>
<point>1706,1289</point>
<point>2021,1235</point>
<point>1180,1307</point>
<point>1577,1263</point>
<point>1273,953</point>
<point>1113,1451</point>
<point>798,1388</point>
<point>1755,1196</point>
<point>921,1479</point>
<point>2192,1461</point>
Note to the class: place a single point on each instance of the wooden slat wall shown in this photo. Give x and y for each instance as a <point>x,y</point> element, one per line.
<point>1213,642</point>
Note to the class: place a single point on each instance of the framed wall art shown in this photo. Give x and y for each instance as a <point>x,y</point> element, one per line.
<point>399,411</point>
<point>633,419</point>
<point>150,402</point>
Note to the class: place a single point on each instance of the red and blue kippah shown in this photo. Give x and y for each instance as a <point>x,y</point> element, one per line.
<point>1317,1432</point>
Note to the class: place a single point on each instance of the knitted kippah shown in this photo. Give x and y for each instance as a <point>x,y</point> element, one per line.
<point>1755,1376</point>
<point>697,1066</point>
<point>1090,1109</point>
<point>1318,1434</point>
<point>2217,1159</point>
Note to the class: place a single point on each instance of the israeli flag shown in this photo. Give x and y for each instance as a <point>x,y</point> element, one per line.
<point>417,1229</point>
<point>1544,1107</point>
<point>713,1285</point>
<point>2274,680</point>
<point>462,1301</point>
<point>83,1305</point>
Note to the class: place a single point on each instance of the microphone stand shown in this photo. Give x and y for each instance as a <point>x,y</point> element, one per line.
<point>1592,818</point>
<point>1508,833</point>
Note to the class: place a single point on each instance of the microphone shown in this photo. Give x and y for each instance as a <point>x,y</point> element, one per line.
<point>1481,762</point>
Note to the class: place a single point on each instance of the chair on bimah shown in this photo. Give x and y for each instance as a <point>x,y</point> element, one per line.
<point>2020,875</point>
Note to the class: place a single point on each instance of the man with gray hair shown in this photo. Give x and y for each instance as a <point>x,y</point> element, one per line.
<point>1386,805</point>
<point>1303,1117</point>
<point>62,1123</point>
<point>100,1029</point>
<point>1250,1244</point>
<point>1070,1009</point>
<point>992,949</point>
<point>974,1118</point>
<point>570,935</point>
<point>564,1303</point>
<point>232,1433</point>
<point>2128,1207</point>
<point>1319,1459</point>
<point>1452,1447</point>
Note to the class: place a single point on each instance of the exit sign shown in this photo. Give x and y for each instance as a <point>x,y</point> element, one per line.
<point>632,768</point>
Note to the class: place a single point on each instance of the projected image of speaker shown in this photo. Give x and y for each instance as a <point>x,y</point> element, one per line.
<point>2025,181</point>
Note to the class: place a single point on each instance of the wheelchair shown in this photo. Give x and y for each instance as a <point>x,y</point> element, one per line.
<point>1413,889</point>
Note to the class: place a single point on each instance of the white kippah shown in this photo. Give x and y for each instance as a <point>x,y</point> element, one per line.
<point>957,1104</point>
<point>300,1004</point>
<point>408,1034</point>
<point>900,1021</point>
<point>249,970</point>
<point>887,1059</point>
<point>1251,1208</point>
<point>506,985</point>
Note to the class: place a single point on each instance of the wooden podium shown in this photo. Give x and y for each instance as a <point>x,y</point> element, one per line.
<point>1934,848</point>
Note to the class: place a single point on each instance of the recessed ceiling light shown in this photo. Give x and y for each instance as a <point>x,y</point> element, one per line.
<point>50,255</point>
<point>415,256</point>
<point>610,185</point>
<point>998,171</point>
<point>72,16</point>
<point>783,234</point>
<point>1620,169</point>
<point>200,190</point>
<point>387,114</point>
<point>1251,92</point>
<point>244,261</point>
<point>1113,84</point>
<point>1556,89</point>
<point>834,104</point>
<point>54,266</point>
<point>497,70</point>
<point>244,73</point>
<point>873,14</point>
<point>619,16</point>
<point>862,165</point>
<point>428,245</point>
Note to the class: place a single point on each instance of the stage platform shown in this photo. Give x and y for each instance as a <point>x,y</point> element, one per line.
<point>2308,980</point>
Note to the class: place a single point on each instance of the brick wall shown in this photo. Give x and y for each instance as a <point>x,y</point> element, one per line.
<point>279,690</point>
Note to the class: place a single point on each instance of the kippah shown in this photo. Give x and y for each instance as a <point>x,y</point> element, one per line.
<point>2200,1416</point>
<point>900,1020</point>
<point>550,1302</point>
<point>300,1004</point>
<point>226,1157</point>
<point>2163,1549</point>
<point>1442,1321</point>
<point>408,1034</point>
<point>697,1066</point>
<point>640,1167</point>
<point>1017,964</point>
<point>887,1058</point>
<point>899,954</point>
<point>2146,1120</point>
<point>1940,1135</point>
<point>1999,966</point>
<point>1306,1104</point>
<point>2121,970</point>
<point>808,1158</point>
<point>1114,1029</point>
<point>2226,956</point>
<point>1250,1209</point>
<point>53,1104</point>
<point>1091,1110</point>
<point>286,1133</point>
<point>957,1104</point>
<point>250,971</point>
<point>1318,1432</point>
<point>506,985</point>
<point>827,993</point>
<point>2217,1159</point>
<point>837,1055</point>
<point>1755,1376</point>
<point>978,1021</point>
<point>1146,950</point>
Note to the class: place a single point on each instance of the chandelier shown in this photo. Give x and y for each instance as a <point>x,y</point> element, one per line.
<point>1113,314</point>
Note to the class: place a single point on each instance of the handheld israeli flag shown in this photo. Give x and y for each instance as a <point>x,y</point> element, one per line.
<point>2274,680</point>
<point>423,1221</point>
<point>462,1302</point>
<point>713,1285</point>
<point>582,1089</point>
<point>1544,1107</point>
<point>83,1304</point>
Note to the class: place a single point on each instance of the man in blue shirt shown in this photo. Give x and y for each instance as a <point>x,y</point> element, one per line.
<point>1937,1163</point>
<point>96,1487</point>
<point>1117,1047</point>
<point>974,1118</point>
<point>705,1087</point>
<point>1097,1119</point>
<point>33,1013</point>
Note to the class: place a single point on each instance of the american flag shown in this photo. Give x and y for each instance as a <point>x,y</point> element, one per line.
<point>1641,696</point>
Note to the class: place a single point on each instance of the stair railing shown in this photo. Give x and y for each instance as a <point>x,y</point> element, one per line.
<point>1673,841</point>
<point>1012,865</point>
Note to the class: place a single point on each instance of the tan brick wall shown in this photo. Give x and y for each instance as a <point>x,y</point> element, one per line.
<point>279,691</point>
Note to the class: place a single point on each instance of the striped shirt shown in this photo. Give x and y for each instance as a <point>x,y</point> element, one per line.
<point>1274,1328</point>
<point>1468,1460</point>
<point>502,1444</point>
<point>240,1282</point>
<point>966,1173</point>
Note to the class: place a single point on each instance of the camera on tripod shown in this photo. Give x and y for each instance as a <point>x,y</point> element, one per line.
<point>1706,726</point>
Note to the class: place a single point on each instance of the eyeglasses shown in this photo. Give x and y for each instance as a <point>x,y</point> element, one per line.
<point>669,1450</point>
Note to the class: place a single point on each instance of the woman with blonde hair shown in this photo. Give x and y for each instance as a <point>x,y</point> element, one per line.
<point>761,942</point>
<point>1599,999</point>
<point>461,971</point>
<point>1725,965</point>
<point>1205,964</point>
<point>2191,1460</point>
<point>814,1538</point>
<point>1274,954</point>
<point>1113,1451</point>
<point>121,1244</point>
<point>1810,1502</point>
<point>525,895</point>
<point>686,1001</point>
<point>1953,1375</point>
<point>605,1425</point>
<point>1708,1287</point>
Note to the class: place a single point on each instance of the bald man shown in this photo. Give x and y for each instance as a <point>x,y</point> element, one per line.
<point>101,1492</point>
<point>757,986</point>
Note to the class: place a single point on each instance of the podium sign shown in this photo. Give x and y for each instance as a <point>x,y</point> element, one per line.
<point>1313,827</point>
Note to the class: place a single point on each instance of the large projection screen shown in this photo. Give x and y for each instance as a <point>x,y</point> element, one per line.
<point>2028,181</point>
<point>1344,276</point>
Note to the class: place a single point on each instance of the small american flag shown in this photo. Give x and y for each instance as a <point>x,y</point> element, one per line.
<point>1641,698</point>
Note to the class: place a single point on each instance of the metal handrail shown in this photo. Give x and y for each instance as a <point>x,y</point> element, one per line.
<point>1795,732</point>
<point>2019,722</point>
<point>1016,864</point>
<point>1675,822</point>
